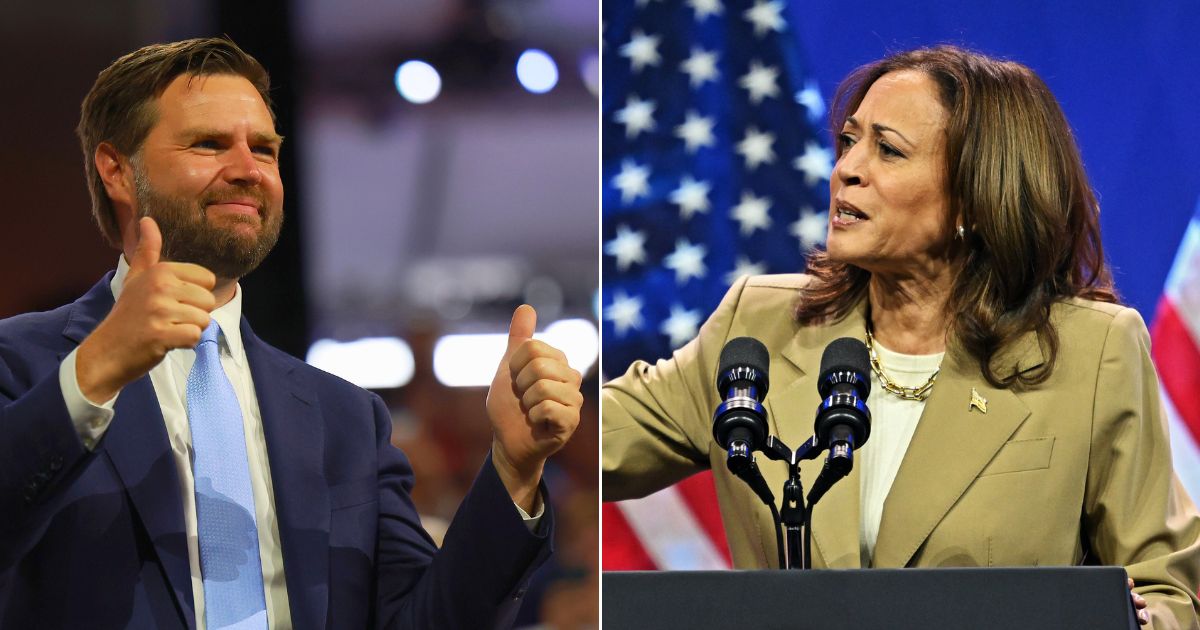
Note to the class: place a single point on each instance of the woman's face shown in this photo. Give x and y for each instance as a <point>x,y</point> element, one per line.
<point>888,204</point>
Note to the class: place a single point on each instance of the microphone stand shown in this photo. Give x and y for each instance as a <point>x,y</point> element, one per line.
<point>794,517</point>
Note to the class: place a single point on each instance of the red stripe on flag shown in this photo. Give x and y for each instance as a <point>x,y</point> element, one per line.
<point>621,549</point>
<point>1178,363</point>
<point>700,494</point>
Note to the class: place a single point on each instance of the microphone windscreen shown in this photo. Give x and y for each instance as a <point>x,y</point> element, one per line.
<point>847,354</point>
<point>744,351</point>
<point>744,359</point>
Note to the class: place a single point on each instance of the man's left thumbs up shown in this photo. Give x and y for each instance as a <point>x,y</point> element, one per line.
<point>533,405</point>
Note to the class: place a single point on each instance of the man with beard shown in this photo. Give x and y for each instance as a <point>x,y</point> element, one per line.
<point>162,467</point>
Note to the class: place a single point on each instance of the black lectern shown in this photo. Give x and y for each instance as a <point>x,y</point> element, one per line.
<point>1050,598</point>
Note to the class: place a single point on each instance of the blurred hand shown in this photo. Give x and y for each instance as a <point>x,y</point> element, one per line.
<point>533,405</point>
<point>163,306</point>
<point>1139,604</point>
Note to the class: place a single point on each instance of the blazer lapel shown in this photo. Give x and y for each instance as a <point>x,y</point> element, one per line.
<point>792,404</point>
<point>137,445</point>
<point>952,444</point>
<point>295,435</point>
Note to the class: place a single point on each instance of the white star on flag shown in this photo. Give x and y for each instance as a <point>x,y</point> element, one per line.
<point>811,228</point>
<point>637,116</point>
<point>633,181</point>
<point>691,197</point>
<point>700,66</point>
<point>642,50</point>
<point>744,268</point>
<point>705,8</point>
<point>751,213</point>
<point>696,131</point>
<point>766,17</point>
<point>755,148</point>
<point>816,163</point>
<point>687,261</point>
<point>810,98</point>
<point>759,81</point>
<point>625,312</point>
<point>681,326</point>
<point>628,247</point>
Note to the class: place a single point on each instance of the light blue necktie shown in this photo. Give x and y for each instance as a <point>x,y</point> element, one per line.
<point>228,533</point>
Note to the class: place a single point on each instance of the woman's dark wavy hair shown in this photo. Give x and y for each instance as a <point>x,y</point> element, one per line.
<point>1016,181</point>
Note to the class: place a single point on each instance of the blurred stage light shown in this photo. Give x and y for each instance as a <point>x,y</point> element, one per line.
<point>468,360</point>
<point>577,338</point>
<point>536,71</point>
<point>371,363</point>
<point>418,82</point>
<point>471,360</point>
<point>589,71</point>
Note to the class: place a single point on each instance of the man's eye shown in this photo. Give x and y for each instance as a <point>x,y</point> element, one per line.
<point>206,144</point>
<point>267,151</point>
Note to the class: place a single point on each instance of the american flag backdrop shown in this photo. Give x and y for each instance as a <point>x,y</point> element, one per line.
<point>716,160</point>
<point>716,164</point>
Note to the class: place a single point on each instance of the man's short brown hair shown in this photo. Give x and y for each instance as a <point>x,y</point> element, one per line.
<point>120,109</point>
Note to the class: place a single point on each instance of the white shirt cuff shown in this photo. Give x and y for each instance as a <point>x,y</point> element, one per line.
<point>90,420</point>
<point>532,521</point>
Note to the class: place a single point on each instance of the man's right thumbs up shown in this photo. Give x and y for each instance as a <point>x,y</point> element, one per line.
<point>163,305</point>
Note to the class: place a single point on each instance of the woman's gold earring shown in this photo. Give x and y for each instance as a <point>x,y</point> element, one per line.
<point>961,233</point>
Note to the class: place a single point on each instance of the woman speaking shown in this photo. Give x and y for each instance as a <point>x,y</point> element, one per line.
<point>1017,418</point>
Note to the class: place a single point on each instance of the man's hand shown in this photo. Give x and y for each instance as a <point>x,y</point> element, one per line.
<point>163,306</point>
<point>533,405</point>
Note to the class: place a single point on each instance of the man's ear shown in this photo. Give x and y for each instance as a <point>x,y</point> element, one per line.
<point>116,172</point>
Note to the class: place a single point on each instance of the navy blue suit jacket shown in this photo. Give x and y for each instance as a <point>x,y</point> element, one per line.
<point>96,539</point>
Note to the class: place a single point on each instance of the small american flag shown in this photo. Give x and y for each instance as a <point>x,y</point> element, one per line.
<point>1175,347</point>
<point>716,164</point>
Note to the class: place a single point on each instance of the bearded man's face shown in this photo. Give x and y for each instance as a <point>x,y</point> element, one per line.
<point>208,174</point>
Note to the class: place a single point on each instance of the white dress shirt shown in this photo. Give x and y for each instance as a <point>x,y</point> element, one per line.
<point>893,422</point>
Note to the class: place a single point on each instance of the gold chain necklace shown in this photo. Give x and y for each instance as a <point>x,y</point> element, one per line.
<point>907,393</point>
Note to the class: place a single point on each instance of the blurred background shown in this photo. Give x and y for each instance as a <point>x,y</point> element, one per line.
<point>440,169</point>
<point>717,155</point>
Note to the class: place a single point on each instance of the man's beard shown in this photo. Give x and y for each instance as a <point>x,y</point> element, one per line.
<point>189,237</point>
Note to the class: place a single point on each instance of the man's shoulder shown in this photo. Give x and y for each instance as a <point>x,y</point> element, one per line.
<point>312,377</point>
<point>44,328</point>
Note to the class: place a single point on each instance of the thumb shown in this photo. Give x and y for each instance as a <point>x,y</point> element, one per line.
<point>524,322</point>
<point>149,245</point>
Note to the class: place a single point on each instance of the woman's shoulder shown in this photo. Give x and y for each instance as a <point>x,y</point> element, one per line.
<point>1085,313</point>
<point>786,281</point>
<point>770,291</point>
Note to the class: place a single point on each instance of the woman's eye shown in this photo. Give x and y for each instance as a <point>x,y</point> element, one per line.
<point>889,150</point>
<point>846,140</point>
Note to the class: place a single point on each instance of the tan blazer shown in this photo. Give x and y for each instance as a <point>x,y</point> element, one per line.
<point>1076,470</point>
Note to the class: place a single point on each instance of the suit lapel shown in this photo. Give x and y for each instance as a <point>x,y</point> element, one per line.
<point>792,403</point>
<point>137,445</point>
<point>952,444</point>
<point>295,435</point>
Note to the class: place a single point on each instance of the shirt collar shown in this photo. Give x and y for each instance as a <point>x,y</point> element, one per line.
<point>229,316</point>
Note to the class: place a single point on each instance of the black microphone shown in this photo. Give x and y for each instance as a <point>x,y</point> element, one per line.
<point>740,421</point>
<point>843,420</point>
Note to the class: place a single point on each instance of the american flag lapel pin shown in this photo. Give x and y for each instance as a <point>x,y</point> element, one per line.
<point>977,402</point>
